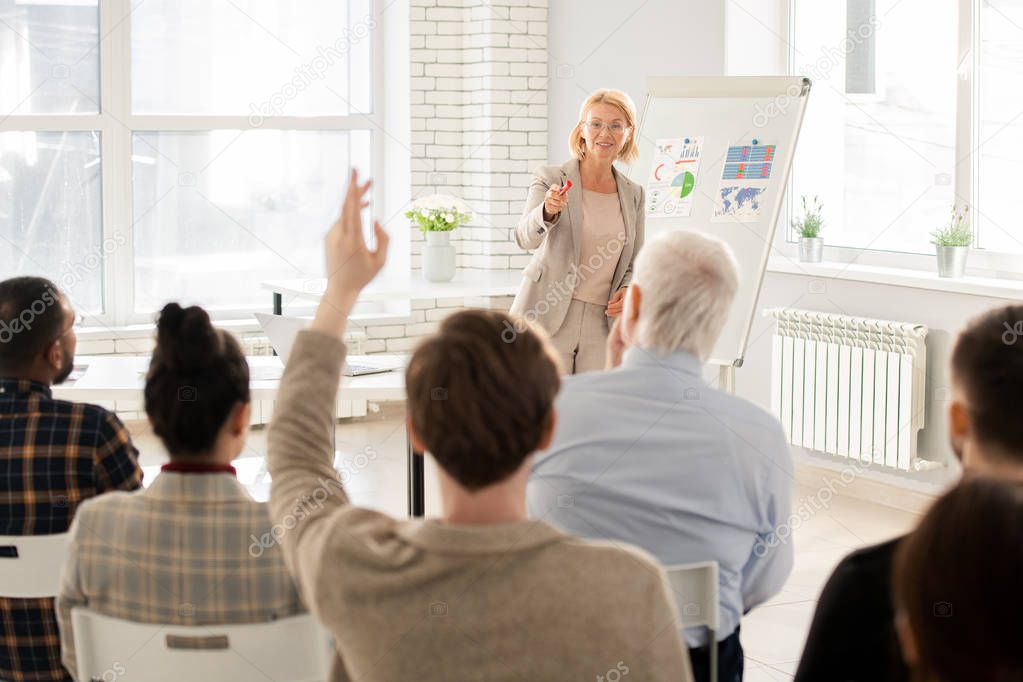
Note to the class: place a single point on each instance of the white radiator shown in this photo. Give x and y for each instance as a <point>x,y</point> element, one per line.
<point>849,386</point>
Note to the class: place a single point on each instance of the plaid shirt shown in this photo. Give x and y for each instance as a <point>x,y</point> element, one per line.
<point>53,455</point>
<point>192,549</point>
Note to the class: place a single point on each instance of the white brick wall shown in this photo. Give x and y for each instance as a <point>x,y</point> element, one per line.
<point>479,116</point>
<point>479,127</point>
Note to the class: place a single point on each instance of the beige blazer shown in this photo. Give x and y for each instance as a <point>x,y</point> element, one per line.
<point>550,278</point>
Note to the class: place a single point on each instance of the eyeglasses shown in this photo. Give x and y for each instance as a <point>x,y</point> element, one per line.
<point>597,126</point>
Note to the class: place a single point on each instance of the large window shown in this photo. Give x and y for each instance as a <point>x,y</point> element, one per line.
<point>179,149</point>
<point>1000,126</point>
<point>915,108</point>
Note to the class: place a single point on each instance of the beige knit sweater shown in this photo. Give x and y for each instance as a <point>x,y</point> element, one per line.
<point>430,601</point>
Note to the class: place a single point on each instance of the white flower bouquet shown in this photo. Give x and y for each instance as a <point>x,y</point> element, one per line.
<point>439,213</point>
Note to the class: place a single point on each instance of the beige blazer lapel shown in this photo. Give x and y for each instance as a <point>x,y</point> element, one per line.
<point>626,197</point>
<point>575,205</point>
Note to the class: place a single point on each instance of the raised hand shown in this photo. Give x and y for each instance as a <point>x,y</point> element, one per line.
<point>350,263</point>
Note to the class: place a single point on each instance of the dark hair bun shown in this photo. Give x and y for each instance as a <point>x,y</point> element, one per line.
<point>186,340</point>
<point>197,375</point>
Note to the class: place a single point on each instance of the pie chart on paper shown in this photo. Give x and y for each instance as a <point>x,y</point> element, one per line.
<point>682,185</point>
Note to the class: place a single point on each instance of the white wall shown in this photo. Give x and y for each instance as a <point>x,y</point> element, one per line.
<point>607,43</point>
<point>598,43</point>
<point>479,116</point>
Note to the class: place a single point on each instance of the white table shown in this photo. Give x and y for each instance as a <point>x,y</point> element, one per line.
<point>466,284</point>
<point>123,378</point>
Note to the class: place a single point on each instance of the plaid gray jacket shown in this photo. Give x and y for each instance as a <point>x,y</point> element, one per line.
<point>192,549</point>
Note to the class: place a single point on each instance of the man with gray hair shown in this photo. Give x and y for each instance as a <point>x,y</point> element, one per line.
<point>648,453</point>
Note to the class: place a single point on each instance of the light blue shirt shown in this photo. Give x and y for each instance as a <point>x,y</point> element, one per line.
<point>649,454</point>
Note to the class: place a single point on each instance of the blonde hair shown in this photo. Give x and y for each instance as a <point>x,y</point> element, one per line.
<point>688,281</point>
<point>576,143</point>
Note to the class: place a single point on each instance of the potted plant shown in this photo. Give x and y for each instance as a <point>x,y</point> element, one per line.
<point>437,215</point>
<point>811,245</point>
<point>953,243</point>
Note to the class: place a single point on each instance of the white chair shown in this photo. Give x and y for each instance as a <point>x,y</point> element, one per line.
<point>294,649</point>
<point>696,599</point>
<point>30,565</point>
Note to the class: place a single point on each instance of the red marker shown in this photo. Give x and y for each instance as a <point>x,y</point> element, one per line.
<point>568,184</point>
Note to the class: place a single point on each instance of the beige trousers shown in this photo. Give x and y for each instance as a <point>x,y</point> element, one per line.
<point>582,338</point>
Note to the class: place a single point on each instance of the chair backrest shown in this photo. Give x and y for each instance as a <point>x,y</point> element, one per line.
<point>696,593</point>
<point>30,565</point>
<point>293,649</point>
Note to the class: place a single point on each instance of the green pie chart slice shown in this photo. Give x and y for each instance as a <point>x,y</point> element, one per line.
<point>683,184</point>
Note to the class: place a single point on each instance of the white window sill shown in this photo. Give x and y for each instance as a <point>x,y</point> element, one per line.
<point>903,277</point>
<point>243,326</point>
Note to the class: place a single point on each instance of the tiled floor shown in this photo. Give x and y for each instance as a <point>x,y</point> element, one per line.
<point>373,450</point>
<point>773,634</point>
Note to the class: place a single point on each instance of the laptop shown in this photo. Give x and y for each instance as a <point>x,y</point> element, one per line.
<point>282,330</point>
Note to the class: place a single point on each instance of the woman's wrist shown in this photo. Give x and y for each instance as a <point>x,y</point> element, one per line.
<point>551,219</point>
<point>333,311</point>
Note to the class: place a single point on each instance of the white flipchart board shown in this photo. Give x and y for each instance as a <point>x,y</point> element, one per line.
<point>725,112</point>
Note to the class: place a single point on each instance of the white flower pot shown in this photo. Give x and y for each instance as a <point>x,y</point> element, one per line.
<point>811,249</point>
<point>952,261</point>
<point>438,257</point>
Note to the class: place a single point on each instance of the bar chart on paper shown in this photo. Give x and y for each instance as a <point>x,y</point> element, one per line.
<point>750,153</point>
<point>748,161</point>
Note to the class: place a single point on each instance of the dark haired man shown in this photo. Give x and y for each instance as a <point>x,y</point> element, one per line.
<point>484,593</point>
<point>53,455</point>
<point>852,637</point>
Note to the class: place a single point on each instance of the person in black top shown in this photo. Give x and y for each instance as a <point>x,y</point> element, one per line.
<point>852,636</point>
<point>955,584</point>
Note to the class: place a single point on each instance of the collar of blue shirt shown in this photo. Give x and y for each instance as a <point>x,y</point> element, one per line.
<point>679,361</point>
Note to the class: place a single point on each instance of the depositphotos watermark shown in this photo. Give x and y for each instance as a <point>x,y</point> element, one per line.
<point>310,72</point>
<point>313,502</point>
<point>27,317</point>
<point>1013,333</point>
<point>614,674</point>
<point>304,507</point>
<point>830,57</point>
<point>564,289</point>
<point>72,272</point>
<point>111,674</point>
<point>808,507</point>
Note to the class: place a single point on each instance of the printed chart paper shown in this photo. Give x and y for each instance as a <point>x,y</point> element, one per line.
<point>676,167</point>
<point>744,179</point>
<point>750,162</point>
<point>739,202</point>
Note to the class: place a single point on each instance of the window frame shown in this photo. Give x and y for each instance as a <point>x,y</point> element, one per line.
<point>116,124</point>
<point>986,263</point>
